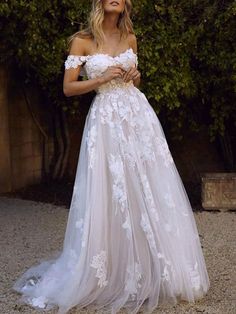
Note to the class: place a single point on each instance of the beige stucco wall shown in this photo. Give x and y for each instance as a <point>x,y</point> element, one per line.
<point>20,138</point>
<point>5,162</point>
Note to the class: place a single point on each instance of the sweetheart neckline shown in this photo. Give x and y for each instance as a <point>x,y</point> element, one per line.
<point>113,57</point>
<point>107,54</point>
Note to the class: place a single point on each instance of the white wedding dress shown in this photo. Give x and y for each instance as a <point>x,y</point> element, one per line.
<point>131,240</point>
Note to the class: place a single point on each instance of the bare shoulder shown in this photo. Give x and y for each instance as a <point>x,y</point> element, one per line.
<point>133,41</point>
<point>80,46</point>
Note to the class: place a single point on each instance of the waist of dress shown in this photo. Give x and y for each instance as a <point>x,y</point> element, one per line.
<point>113,86</point>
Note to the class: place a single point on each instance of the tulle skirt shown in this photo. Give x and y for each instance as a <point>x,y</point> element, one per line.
<point>131,240</point>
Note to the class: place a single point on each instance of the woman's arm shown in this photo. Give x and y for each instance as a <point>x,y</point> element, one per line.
<point>71,85</point>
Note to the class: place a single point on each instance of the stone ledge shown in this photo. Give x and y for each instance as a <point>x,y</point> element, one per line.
<point>219,190</point>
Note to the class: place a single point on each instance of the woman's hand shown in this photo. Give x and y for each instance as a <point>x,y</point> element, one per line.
<point>112,72</point>
<point>132,74</point>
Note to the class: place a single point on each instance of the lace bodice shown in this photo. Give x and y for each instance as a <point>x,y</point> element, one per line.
<point>94,65</point>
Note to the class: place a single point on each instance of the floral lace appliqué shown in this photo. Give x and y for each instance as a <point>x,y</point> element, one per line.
<point>39,302</point>
<point>91,139</point>
<point>134,277</point>
<point>149,197</point>
<point>163,150</point>
<point>194,275</point>
<point>79,224</point>
<point>127,226</point>
<point>99,263</point>
<point>74,61</point>
<point>165,275</point>
<point>146,226</point>
<point>118,186</point>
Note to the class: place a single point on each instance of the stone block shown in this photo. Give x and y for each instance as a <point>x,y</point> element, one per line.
<point>37,176</point>
<point>26,150</point>
<point>15,152</point>
<point>17,168</point>
<point>219,191</point>
<point>15,121</point>
<point>5,158</point>
<point>37,148</point>
<point>37,163</point>
<point>19,181</point>
<point>27,165</point>
<point>16,136</point>
<point>26,135</point>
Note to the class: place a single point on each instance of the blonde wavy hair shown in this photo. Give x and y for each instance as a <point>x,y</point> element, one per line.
<point>94,29</point>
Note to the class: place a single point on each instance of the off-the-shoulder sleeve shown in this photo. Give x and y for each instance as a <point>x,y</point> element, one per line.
<point>73,61</point>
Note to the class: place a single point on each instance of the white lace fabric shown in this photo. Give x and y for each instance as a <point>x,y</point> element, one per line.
<point>91,69</point>
<point>131,239</point>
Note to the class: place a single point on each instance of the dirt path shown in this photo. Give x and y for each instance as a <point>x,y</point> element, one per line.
<point>31,231</point>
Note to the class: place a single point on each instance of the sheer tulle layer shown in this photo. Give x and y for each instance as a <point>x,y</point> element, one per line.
<point>131,239</point>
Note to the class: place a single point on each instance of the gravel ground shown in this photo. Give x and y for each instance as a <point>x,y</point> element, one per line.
<point>31,231</point>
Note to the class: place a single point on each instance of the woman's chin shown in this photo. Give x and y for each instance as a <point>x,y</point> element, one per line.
<point>113,10</point>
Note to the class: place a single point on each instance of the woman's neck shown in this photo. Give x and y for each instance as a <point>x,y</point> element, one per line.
<point>110,24</point>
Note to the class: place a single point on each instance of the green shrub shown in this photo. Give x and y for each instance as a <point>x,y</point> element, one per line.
<point>186,55</point>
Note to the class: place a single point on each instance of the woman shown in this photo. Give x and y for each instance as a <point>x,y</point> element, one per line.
<point>131,239</point>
